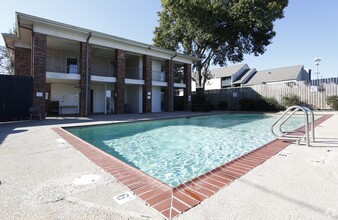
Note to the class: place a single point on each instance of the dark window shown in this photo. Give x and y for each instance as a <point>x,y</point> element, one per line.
<point>226,82</point>
<point>71,65</point>
<point>112,69</point>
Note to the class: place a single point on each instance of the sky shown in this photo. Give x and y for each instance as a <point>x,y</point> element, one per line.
<point>308,30</point>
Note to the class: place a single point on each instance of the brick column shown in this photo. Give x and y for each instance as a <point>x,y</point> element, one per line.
<point>187,90</point>
<point>23,59</point>
<point>82,61</point>
<point>147,76</point>
<point>169,90</point>
<point>120,81</point>
<point>39,70</point>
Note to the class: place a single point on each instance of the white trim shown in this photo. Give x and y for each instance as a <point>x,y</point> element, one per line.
<point>96,78</point>
<point>61,33</point>
<point>54,75</point>
<point>159,83</point>
<point>22,44</point>
<point>134,81</point>
<point>179,85</point>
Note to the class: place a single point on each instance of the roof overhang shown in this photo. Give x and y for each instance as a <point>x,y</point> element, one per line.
<point>9,40</point>
<point>53,28</point>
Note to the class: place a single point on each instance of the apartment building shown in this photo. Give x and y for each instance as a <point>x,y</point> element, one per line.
<point>80,71</point>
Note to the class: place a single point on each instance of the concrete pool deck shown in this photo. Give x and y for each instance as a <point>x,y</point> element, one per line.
<point>37,169</point>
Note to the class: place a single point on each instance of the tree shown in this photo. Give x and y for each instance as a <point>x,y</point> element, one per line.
<point>5,63</point>
<point>6,66</point>
<point>217,31</point>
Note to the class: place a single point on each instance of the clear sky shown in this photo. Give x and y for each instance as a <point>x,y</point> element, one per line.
<point>308,30</point>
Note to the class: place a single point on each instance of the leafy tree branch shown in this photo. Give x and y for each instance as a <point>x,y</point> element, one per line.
<point>217,31</point>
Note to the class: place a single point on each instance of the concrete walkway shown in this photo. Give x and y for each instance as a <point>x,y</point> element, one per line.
<point>37,170</point>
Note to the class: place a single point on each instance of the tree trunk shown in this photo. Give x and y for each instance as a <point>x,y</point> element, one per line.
<point>199,74</point>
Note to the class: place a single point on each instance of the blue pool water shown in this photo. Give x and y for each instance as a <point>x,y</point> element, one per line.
<point>177,150</point>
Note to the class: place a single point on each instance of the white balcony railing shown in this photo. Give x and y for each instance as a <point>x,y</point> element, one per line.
<point>133,73</point>
<point>158,76</point>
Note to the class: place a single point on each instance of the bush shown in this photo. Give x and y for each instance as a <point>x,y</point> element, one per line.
<point>200,103</point>
<point>271,104</point>
<point>222,105</point>
<point>291,99</point>
<point>198,99</point>
<point>259,104</point>
<point>332,101</point>
<point>247,104</point>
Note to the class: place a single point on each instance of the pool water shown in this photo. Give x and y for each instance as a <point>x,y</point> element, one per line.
<point>177,150</point>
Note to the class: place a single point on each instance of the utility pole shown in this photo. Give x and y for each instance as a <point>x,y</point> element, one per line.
<point>316,62</point>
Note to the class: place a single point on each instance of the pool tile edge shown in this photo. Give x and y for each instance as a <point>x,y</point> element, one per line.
<point>185,196</point>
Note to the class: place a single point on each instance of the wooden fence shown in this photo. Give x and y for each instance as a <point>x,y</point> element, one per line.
<point>312,93</point>
<point>15,97</point>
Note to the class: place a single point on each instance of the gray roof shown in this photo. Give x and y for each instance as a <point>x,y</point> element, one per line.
<point>276,75</point>
<point>227,71</point>
<point>243,77</point>
<point>27,21</point>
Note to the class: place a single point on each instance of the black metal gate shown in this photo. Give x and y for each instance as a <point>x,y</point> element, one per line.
<point>15,97</point>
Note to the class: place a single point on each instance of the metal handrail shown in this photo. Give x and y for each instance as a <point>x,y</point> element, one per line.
<point>312,123</point>
<point>285,134</point>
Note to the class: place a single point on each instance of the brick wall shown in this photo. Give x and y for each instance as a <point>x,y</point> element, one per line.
<point>166,92</point>
<point>82,62</point>
<point>187,90</point>
<point>169,90</point>
<point>147,76</point>
<point>23,58</point>
<point>120,83</point>
<point>39,69</point>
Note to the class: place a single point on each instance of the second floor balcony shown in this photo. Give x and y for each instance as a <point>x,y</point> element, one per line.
<point>134,73</point>
<point>62,65</point>
<point>158,76</point>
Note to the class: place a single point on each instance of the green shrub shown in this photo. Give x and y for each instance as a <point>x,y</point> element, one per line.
<point>247,104</point>
<point>198,99</point>
<point>332,101</point>
<point>259,104</point>
<point>222,105</point>
<point>291,99</point>
<point>272,104</point>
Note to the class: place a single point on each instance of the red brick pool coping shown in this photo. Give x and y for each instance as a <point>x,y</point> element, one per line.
<point>169,201</point>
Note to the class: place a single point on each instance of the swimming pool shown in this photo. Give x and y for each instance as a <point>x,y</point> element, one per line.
<point>177,150</point>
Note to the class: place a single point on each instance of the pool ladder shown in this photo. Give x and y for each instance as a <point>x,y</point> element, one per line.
<point>309,125</point>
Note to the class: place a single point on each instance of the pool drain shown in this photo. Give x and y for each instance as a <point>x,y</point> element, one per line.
<point>86,179</point>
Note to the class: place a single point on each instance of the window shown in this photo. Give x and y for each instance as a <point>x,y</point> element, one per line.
<point>226,82</point>
<point>111,68</point>
<point>71,65</point>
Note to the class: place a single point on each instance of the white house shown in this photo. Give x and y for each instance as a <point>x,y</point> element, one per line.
<point>242,75</point>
